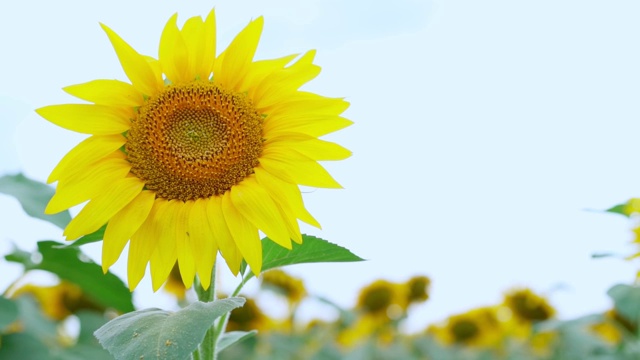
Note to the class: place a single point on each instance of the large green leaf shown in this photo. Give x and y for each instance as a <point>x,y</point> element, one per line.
<point>33,196</point>
<point>312,250</point>
<point>158,334</point>
<point>8,312</point>
<point>627,301</point>
<point>70,264</point>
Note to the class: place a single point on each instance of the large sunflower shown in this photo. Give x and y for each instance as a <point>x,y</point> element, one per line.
<point>197,154</point>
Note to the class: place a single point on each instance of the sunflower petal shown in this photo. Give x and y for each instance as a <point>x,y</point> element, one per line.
<point>143,244</point>
<point>183,242</point>
<point>204,243</point>
<point>296,168</point>
<point>87,152</point>
<point>223,237</point>
<point>312,125</point>
<point>107,92</point>
<point>86,184</point>
<point>173,53</point>
<point>281,84</point>
<point>245,234</point>
<point>135,66</point>
<point>164,256</point>
<point>285,194</point>
<point>88,118</point>
<point>260,70</point>
<point>192,33</point>
<point>238,56</point>
<point>255,204</point>
<point>310,147</point>
<point>123,225</point>
<point>100,209</point>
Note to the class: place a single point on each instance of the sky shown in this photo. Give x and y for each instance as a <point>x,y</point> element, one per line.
<point>486,134</point>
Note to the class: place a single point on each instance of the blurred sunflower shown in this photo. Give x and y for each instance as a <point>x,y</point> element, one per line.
<point>418,289</point>
<point>197,154</point>
<point>614,327</point>
<point>478,327</point>
<point>384,299</point>
<point>249,317</point>
<point>58,301</point>
<point>528,307</point>
<point>290,287</point>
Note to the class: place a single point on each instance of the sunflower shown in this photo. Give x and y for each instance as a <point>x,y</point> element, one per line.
<point>528,307</point>
<point>197,154</point>
<point>479,327</point>
<point>292,288</point>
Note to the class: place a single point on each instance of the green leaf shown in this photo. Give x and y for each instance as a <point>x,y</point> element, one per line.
<point>71,264</point>
<point>158,334</point>
<point>8,312</point>
<point>233,337</point>
<point>312,250</point>
<point>34,321</point>
<point>618,209</point>
<point>626,301</point>
<point>33,196</point>
<point>24,347</point>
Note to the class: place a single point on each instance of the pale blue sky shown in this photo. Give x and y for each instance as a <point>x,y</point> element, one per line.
<point>483,130</point>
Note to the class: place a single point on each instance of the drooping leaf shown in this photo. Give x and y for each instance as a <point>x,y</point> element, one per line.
<point>627,301</point>
<point>8,312</point>
<point>71,264</point>
<point>233,337</point>
<point>33,196</point>
<point>158,334</point>
<point>312,250</point>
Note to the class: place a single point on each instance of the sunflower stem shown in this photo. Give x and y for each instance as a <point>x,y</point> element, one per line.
<point>208,345</point>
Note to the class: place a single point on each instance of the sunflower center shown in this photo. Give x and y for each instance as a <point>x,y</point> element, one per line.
<point>194,141</point>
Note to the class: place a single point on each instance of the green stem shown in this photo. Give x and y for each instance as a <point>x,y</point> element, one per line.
<point>222,323</point>
<point>208,345</point>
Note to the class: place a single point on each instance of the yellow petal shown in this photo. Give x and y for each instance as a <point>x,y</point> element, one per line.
<point>281,84</point>
<point>245,235</point>
<point>183,242</point>
<point>231,70</point>
<point>223,237</point>
<point>164,256</point>
<point>87,152</point>
<point>286,194</point>
<point>143,244</point>
<point>312,124</point>
<point>89,119</point>
<point>304,103</point>
<point>192,33</point>
<point>102,208</point>
<point>135,66</point>
<point>107,92</point>
<point>208,46</point>
<point>310,147</point>
<point>173,54</point>
<point>255,204</point>
<point>296,168</point>
<point>89,182</point>
<point>123,225</point>
<point>204,243</point>
<point>260,70</point>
